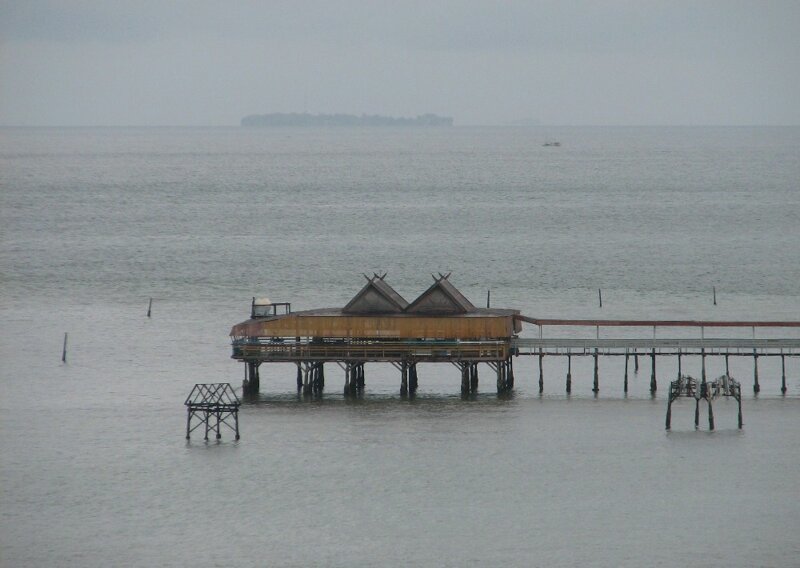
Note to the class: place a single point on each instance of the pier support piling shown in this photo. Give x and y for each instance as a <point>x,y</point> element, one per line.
<point>756,386</point>
<point>505,376</point>
<point>653,383</point>
<point>783,374</point>
<point>569,373</point>
<point>541,372</point>
<point>317,377</point>
<point>307,379</point>
<point>703,358</point>
<point>252,380</point>
<point>710,415</point>
<point>697,413</point>
<point>596,383</point>
<point>625,384</point>
<point>353,379</point>
<point>636,363</point>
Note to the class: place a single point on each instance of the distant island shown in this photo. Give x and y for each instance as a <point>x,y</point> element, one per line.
<point>305,119</point>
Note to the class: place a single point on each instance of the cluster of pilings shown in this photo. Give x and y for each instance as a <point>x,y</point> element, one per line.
<point>408,378</point>
<point>252,381</point>
<point>505,375</point>
<point>311,377</point>
<point>469,378</point>
<point>686,386</point>
<point>353,379</point>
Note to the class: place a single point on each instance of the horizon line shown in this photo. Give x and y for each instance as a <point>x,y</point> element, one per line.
<point>504,124</point>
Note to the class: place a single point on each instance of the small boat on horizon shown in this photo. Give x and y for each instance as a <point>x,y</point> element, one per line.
<point>552,144</point>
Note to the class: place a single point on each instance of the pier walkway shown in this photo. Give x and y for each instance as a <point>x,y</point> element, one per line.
<point>662,345</point>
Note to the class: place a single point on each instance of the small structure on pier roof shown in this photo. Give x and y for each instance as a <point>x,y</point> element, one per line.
<point>376,297</point>
<point>442,298</point>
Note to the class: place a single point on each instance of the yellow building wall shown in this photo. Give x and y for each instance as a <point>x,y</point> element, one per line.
<point>466,328</point>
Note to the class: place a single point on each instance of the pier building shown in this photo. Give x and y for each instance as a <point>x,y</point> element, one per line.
<point>379,325</point>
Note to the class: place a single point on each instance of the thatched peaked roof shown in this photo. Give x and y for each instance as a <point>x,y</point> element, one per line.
<point>376,297</point>
<point>441,298</point>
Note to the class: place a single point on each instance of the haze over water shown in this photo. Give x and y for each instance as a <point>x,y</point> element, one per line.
<point>95,470</point>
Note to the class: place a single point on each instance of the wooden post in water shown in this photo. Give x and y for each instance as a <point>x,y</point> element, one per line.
<point>596,384</point>
<point>299,378</point>
<point>756,386</point>
<point>404,379</point>
<point>600,296</point>
<point>307,379</point>
<point>783,374</point>
<point>703,357</point>
<point>715,295</point>
<point>710,414</point>
<point>727,368</point>
<point>64,350</point>
<point>541,372</point>
<point>625,387</point>
<point>488,298</point>
<point>679,363</point>
<point>653,383</point>
<point>149,307</point>
<point>636,361</point>
<point>697,412</point>
<point>569,373</point>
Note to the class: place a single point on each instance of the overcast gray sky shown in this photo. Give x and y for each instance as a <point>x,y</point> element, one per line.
<point>104,62</point>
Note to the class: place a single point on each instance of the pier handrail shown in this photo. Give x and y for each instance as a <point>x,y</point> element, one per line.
<point>648,343</point>
<point>654,323</point>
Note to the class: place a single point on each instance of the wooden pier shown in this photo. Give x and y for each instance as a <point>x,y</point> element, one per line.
<point>443,326</point>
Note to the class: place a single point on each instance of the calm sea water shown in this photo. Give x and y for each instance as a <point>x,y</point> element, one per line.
<point>94,470</point>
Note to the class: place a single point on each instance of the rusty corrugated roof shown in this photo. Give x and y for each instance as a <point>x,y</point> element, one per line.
<point>376,297</point>
<point>441,298</point>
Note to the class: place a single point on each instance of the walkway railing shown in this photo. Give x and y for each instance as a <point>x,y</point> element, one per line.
<point>258,349</point>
